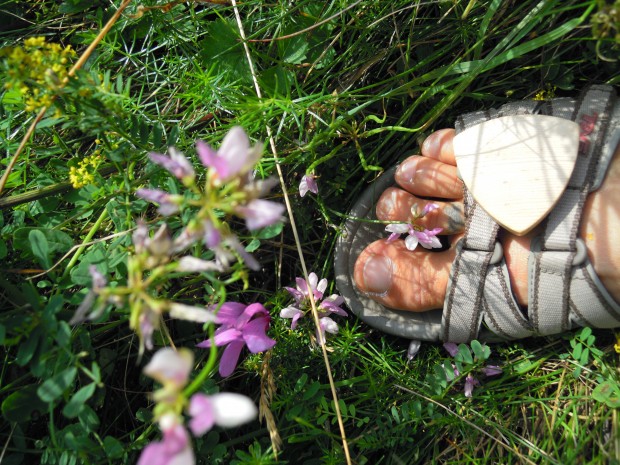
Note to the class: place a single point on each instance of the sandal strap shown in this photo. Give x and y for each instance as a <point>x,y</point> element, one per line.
<point>468,299</point>
<point>564,291</point>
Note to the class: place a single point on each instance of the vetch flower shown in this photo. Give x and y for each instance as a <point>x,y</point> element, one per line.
<point>235,157</point>
<point>224,409</point>
<point>260,213</point>
<point>241,326</point>
<point>470,382</point>
<point>413,349</point>
<point>176,164</point>
<point>325,305</point>
<point>174,449</point>
<point>326,324</point>
<point>92,306</point>
<point>170,367</point>
<point>452,348</point>
<point>308,184</point>
<point>426,238</point>
<point>491,370</point>
<point>168,204</point>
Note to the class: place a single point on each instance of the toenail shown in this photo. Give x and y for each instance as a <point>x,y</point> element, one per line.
<point>408,169</point>
<point>430,145</point>
<point>377,274</point>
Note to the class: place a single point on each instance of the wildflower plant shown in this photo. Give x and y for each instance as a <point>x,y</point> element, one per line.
<point>468,363</point>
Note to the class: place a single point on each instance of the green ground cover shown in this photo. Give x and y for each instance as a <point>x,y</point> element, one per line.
<point>347,90</point>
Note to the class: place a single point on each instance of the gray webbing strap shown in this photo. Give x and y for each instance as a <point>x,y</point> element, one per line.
<point>467,297</point>
<point>562,292</point>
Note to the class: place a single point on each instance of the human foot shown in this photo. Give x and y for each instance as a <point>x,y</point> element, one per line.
<point>417,281</point>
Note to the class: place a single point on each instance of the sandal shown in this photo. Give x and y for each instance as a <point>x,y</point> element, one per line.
<point>564,291</point>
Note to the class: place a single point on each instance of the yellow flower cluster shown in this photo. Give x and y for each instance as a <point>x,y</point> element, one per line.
<point>84,172</point>
<point>36,70</point>
<point>545,94</point>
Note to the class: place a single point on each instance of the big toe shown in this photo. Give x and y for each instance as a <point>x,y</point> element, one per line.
<point>398,278</point>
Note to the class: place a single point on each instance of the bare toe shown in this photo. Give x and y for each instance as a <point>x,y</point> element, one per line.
<point>428,177</point>
<point>400,279</point>
<point>439,146</point>
<point>395,205</point>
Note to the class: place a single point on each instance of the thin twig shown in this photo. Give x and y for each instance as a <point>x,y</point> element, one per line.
<point>289,209</point>
<point>70,74</point>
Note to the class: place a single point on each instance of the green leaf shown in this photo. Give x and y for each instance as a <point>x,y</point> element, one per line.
<point>608,393</point>
<point>253,245</point>
<point>20,405</point>
<point>478,350</point>
<point>54,387</point>
<point>88,418</point>
<point>57,241</point>
<point>40,247</point>
<point>577,351</point>
<point>76,404</point>
<point>269,231</point>
<point>464,354</point>
<point>113,447</point>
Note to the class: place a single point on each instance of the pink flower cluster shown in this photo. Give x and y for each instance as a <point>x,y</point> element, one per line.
<point>427,238</point>
<point>229,166</point>
<point>325,305</point>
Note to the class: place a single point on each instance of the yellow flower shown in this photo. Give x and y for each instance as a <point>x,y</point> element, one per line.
<point>617,344</point>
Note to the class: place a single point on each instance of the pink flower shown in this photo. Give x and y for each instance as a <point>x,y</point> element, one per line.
<point>260,213</point>
<point>308,183</point>
<point>452,348</point>
<point>429,207</point>
<point>168,203</point>
<point>176,164</point>
<point>170,367</point>
<point>241,325</point>
<point>426,238</point>
<point>225,409</point>
<point>470,383</point>
<point>234,158</point>
<point>492,370</point>
<point>174,449</point>
<point>325,306</point>
<point>92,304</point>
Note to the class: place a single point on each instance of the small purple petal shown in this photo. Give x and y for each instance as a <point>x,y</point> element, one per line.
<point>392,237</point>
<point>452,348</point>
<point>227,336</point>
<point>99,280</point>
<point>201,411</point>
<point>211,159</point>
<point>260,213</point>
<point>255,309</point>
<point>411,242</point>
<point>291,312</point>
<point>176,163</point>
<point>168,204</point>
<point>229,312</point>
<point>212,236</point>
<point>308,183</point>
<point>491,370</point>
<point>230,357</point>
<point>470,382</point>
<point>429,207</point>
<point>413,349</point>
<point>255,336</point>
<point>397,228</point>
